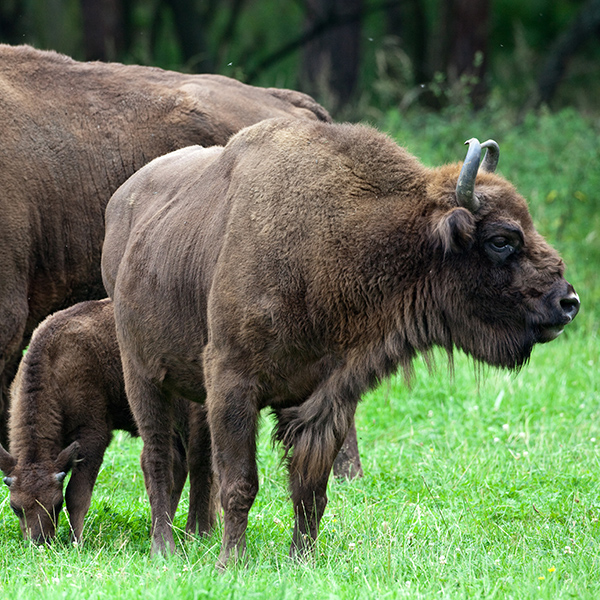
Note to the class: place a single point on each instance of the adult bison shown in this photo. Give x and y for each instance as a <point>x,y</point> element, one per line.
<point>304,263</point>
<point>71,134</point>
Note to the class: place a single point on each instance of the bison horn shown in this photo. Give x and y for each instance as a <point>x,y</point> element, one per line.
<point>465,187</point>
<point>492,154</point>
<point>8,481</point>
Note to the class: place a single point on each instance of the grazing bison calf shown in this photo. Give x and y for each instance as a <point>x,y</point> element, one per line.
<point>303,264</point>
<point>67,399</point>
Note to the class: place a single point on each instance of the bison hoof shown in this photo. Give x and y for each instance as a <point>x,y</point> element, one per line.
<point>232,557</point>
<point>162,548</point>
<point>302,548</point>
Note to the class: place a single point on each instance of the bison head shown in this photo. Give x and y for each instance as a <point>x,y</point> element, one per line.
<point>36,491</point>
<point>498,286</point>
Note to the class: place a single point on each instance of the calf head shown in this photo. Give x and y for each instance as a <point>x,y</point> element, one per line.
<point>498,286</point>
<point>36,491</point>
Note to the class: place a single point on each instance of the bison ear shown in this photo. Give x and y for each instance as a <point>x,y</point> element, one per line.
<point>7,462</point>
<point>456,230</point>
<point>66,459</point>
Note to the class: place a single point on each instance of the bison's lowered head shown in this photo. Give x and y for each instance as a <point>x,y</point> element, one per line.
<point>499,286</point>
<point>36,491</point>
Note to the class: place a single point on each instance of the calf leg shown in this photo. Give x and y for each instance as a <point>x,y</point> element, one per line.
<point>201,513</point>
<point>78,494</point>
<point>180,471</point>
<point>152,411</point>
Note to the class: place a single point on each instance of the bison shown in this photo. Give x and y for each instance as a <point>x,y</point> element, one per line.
<point>67,398</point>
<point>294,270</point>
<point>72,132</point>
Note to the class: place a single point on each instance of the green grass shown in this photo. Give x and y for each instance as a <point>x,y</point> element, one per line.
<point>479,485</point>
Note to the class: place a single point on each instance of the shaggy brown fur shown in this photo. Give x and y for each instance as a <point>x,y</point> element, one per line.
<point>71,134</point>
<point>302,265</point>
<point>67,399</point>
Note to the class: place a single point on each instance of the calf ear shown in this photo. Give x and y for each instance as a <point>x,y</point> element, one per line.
<point>455,230</point>
<point>66,459</point>
<point>7,462</point>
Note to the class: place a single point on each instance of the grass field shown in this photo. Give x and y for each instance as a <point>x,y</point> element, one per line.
<point>483,484</point>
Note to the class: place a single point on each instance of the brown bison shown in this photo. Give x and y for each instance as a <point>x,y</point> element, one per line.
<point>72,132</point>
<point>303,264</point>
<point>67,399</point>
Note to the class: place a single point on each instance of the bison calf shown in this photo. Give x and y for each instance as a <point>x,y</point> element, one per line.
<point>294,270</point>
<point>67,399</point>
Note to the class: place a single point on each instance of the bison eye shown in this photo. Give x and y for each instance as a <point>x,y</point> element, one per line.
<point>500,244</point>
<point>499,248</point>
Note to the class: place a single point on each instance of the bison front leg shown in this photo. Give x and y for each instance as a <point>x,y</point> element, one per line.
<point>232,416</point>
<point>153,414</point>
<point>14,312</point>
<point>347,463</point>
<point>313,434</point>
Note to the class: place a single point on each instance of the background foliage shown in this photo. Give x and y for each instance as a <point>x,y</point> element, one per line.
<point>349,53</point>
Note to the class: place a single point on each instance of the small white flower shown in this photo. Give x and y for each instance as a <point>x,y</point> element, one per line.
<point>505,427</point>
<point>567,550</point>
<point>496,440</point>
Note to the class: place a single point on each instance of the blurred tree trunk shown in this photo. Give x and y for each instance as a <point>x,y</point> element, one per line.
<point>585,25</point>
<point>11,26</point>
<point>330,61</point>
<point>191,20</point>
<point>103,29</point>
<point>228,35</point>
<point>407,20</point>
<point>461,48</point>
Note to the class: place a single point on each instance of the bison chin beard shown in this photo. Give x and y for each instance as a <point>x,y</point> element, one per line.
<point>503,350</point>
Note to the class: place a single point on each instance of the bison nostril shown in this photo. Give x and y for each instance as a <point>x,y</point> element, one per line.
<point>570,305</point>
